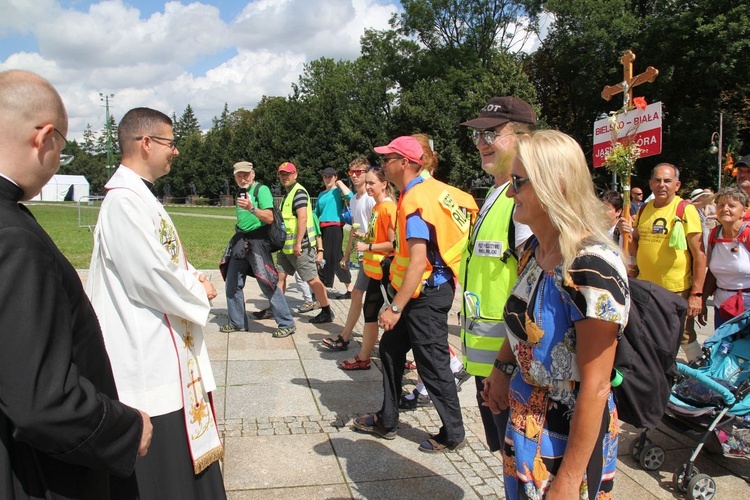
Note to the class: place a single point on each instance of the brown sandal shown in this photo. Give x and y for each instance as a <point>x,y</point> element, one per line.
<point>358,364</point>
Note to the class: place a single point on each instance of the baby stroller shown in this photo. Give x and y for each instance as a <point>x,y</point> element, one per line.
<point>709,403</point>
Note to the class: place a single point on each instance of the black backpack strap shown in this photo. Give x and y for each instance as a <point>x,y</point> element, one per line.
<point>511,250</point>
<point>255,192</point>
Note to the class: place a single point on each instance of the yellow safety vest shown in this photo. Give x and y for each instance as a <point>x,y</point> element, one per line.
<point>290,220</point>
<point>488,281</point>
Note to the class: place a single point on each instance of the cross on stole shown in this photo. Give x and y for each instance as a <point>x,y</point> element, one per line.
<point>192,383</point>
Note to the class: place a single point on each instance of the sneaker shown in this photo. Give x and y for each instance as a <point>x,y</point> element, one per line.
<point>461,376</point>
<point>418,401</point>
<point>308,306</point>
<point>263,314</point>
<point>345,296</point>
<point>323,317</point>
<point>229,328</point>
<point>280,333</point>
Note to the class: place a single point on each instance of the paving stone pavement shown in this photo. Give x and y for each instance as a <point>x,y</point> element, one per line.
<point>285,411</point>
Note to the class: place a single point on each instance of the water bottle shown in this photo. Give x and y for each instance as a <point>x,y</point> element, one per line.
<point>322,264</point>
<point>725,347</point>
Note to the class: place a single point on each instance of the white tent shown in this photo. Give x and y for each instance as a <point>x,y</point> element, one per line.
<point>64,188</point>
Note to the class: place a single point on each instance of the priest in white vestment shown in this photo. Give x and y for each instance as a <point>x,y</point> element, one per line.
<point>152,305</point>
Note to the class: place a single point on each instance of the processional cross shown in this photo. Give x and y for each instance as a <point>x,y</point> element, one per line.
<point>626,87</point>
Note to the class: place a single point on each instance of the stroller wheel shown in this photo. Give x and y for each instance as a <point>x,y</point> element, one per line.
<point>701,487</point>
<point>678,478</point>
<point>635,450</point>
<point>652,457</point>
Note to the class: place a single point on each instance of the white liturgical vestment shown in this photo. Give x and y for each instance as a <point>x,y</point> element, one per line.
<point>142,287</point>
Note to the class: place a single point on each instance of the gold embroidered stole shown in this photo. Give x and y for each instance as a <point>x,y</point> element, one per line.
<point>202,432</point>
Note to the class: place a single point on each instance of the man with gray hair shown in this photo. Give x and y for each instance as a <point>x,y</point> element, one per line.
<point>251,253</point>
<point>63,433</point>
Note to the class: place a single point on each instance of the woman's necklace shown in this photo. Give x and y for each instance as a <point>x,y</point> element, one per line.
<point>548,259</point>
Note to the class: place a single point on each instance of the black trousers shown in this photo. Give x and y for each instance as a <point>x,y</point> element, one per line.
<point>333,239</point>
<point>423,328</point>
<point>167,470</point>
<point>494,425</point>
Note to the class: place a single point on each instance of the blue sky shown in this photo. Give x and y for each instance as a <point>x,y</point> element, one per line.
<point>166,55</point>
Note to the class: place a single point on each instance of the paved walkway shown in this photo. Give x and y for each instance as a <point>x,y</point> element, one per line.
<point>285,412</point>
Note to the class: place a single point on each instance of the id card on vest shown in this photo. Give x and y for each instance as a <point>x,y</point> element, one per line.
<point>488,248</point>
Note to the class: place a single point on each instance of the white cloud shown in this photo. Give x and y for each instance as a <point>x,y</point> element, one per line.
<point>146,60</point>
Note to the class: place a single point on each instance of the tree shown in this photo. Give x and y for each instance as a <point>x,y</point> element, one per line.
<point>699,47</point>
<point>187,124</point>
<point>462,29</point>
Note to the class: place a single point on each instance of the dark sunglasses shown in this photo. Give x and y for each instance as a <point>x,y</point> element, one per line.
<point>518,182</point>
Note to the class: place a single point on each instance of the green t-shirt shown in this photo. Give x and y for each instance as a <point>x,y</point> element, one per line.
<point>246,221</point>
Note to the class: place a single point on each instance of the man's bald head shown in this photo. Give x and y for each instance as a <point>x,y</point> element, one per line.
<point>33,123</point>
<point>28,99</point>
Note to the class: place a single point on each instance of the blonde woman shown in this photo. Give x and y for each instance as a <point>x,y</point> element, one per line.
<point>564,316</point>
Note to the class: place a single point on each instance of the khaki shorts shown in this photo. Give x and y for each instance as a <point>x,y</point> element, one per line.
<point>304,264</point>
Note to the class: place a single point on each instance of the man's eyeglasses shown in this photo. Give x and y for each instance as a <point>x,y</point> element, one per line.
<point>488,135</point>
<point>357,172</point>
<point>65,141</point>
<point>387,160</point>
<point>169,142</point>
<point>636,193</point>
<point>518,182</point>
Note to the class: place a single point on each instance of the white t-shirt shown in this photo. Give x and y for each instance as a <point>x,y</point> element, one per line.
<point>361,207</point>
<point>730,264</point>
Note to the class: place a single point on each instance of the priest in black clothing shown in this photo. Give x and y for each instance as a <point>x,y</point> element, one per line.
<point>63,434</point>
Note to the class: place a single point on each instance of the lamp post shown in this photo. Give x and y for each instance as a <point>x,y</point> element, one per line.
<point>717,141</point>
<point>110,154</point>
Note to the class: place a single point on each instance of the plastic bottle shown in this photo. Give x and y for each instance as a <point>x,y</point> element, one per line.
<point>725,347</point>
<point>322,264</point>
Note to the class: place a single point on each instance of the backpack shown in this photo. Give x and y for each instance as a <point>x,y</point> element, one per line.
<point>276,230</point>
<point>645,366</point>
<point>742,237</point>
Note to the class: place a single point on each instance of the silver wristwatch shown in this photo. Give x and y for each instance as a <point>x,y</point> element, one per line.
<point>396,309</point>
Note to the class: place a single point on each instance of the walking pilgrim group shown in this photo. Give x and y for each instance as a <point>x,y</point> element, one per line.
<point>106,392</point>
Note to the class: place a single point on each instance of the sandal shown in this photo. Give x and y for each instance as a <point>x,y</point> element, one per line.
<point>338,344</point>
<point>357,364</point>
<point>370,423</point>
<point>432,446</point>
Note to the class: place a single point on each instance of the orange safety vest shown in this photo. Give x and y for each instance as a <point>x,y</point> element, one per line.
<point>375,234</point>
<point>449,210</point>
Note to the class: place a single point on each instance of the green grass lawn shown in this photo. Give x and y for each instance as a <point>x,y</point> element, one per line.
<point>204,238</point>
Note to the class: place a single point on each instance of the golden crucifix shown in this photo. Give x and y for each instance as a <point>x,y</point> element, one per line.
<point>626,87</point>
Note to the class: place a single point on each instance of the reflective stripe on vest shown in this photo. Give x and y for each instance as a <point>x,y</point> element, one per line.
<point>371,264</point>
<point>290,220</point>
<point>481,340</point>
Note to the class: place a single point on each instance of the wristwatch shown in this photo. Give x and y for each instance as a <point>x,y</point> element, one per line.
<point>253,209</point>
<point>396,309</point>
<point>506,368</point>
<point>696,294</point>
